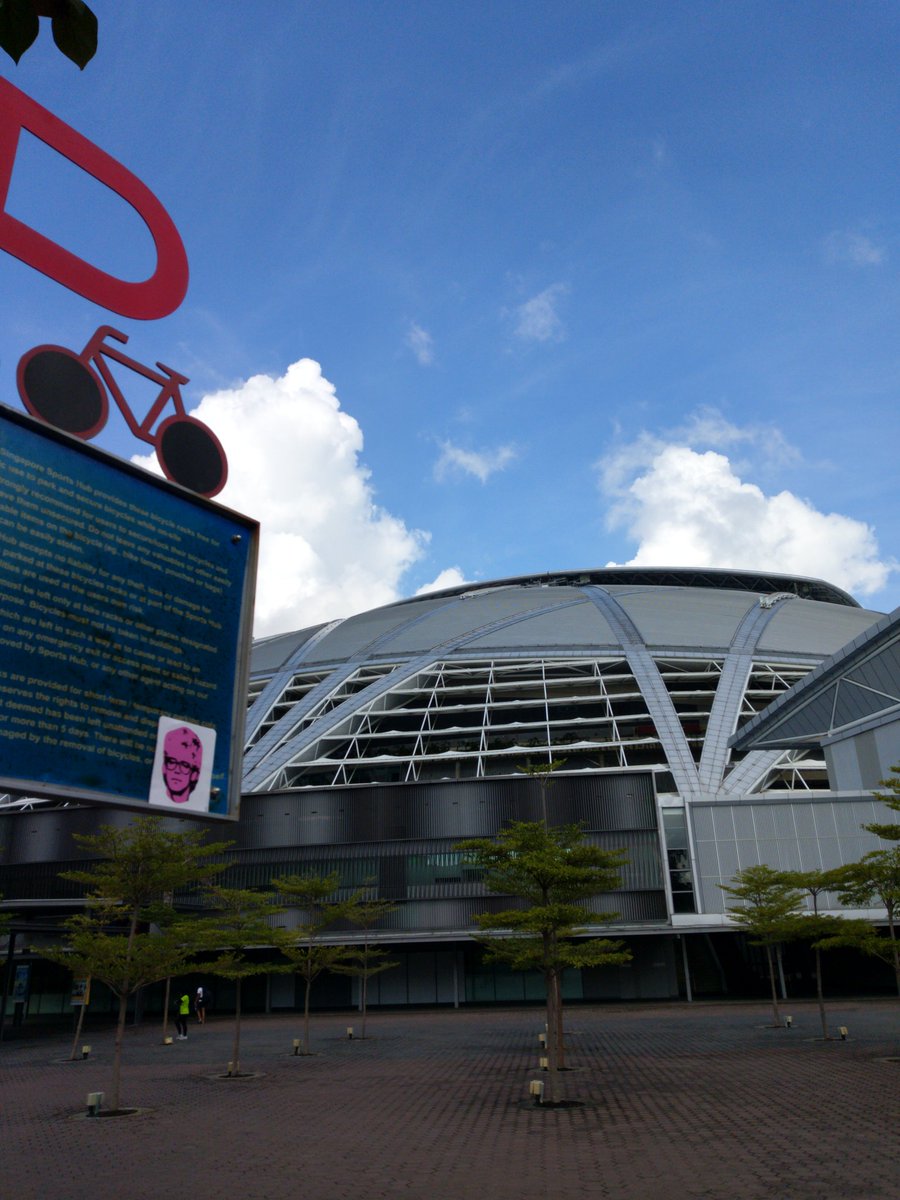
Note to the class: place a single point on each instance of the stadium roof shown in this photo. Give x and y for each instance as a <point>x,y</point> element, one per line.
<point>861,682</point>
<point>703,624</point>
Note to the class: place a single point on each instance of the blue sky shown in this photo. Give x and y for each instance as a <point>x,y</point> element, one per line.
<point>485,289</point>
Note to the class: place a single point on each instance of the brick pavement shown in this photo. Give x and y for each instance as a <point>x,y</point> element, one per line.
<point>682,1102</point>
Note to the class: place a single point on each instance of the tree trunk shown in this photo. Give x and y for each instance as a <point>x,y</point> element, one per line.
<point>306,1014</point>
<point>776,1014</point>
<point>895,949</point>
<point>236,1044</point>
<point>551,981</point>
<point>123,1012</point>
<point>552,1041</point>
<point>820,996</point>
<point>364,985</point>
<point>560,1026</point>
<point>167,999</point>
<point>117,1050</point>
<point>80,1021</point>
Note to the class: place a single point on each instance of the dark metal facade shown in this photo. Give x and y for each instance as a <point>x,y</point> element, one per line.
<point>399,839</point>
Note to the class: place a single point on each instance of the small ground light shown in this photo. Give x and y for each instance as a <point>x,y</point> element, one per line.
<point>843,1032</point>
<point>789,1022</point>
<point>536,1090</point>
<point>542,1039</point>
<point>85,1051</point>
<point>94,1103</point>
<point>350,1032</point>
<point>296,1045</point>
<point>167,1041</point>
<point>544,1064</point>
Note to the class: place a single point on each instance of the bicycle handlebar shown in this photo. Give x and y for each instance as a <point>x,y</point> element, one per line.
<point>105,331</point>
<point>172,374</point>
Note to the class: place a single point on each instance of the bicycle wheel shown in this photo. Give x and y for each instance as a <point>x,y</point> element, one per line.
<point>191,454</point>
<point>57,387</point>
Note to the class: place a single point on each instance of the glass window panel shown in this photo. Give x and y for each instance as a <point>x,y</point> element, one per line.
<point>534,986</point>
<point>479,987</point>
<point>572,985</point>
<point>509,985</point>
<point>675,826</point>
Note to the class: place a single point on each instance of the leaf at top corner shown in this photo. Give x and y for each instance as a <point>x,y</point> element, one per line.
<point>75,31</point>
<point>19,27</point>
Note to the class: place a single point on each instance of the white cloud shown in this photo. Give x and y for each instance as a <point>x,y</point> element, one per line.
<point>537,320</point>
<point>421,343</point>
<point>847,246</point>
<point>326,548</point>
<point>708,428</point>
<point>480,463</point>
<point>686,507</point>
<point>448,578</point>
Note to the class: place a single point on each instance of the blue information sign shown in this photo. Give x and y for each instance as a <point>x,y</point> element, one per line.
<point>125,612</point>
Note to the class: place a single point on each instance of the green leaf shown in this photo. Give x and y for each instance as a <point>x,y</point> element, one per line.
<point>124,963</point>
<point>19,27</point>
<point>768,902</point>
<point>75,31</point>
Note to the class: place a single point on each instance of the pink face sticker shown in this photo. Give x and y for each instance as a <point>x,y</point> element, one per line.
<point>182,758</point>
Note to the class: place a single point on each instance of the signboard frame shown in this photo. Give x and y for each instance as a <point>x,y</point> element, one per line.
<point>134,643</point>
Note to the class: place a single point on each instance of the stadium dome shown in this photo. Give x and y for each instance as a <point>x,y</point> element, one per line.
<point>375,743</point>
<point>609,670</point>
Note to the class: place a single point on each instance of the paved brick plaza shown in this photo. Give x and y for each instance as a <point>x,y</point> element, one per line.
<point>682,1103</point>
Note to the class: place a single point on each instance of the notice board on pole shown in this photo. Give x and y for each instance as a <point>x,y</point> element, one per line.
<point>126,609</point>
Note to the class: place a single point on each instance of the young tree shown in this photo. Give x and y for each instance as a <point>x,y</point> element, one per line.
<point>542,772</point>
<point>890,831</point>
<point>817,928</point>
<point>124,959</point>
<point>241,919</point>
<point>309,956</point>
<point>139,866</point>
<point>553,871</point>
<point>186,930</point>
<point>767,904</point>
<point>6,972</point>
<point>876,877</point>
<point>366,959</point>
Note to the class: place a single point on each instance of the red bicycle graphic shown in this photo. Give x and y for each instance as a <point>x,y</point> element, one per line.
<point>71,391</point>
